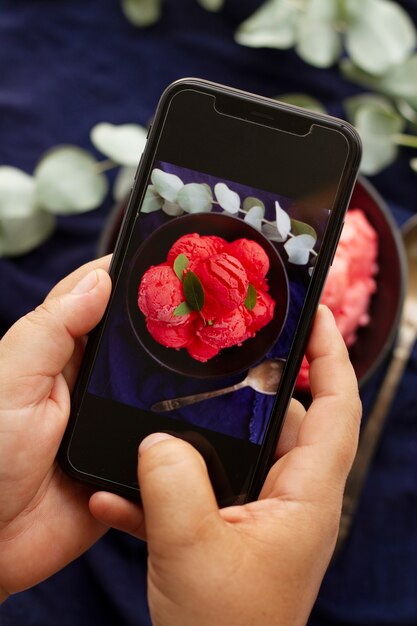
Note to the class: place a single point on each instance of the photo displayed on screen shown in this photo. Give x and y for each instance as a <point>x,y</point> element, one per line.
<point>203,318</point>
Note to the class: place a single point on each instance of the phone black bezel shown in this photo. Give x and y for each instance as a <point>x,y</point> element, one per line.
<point>295,120</point>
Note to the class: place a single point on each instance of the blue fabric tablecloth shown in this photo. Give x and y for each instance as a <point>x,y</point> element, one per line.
<point>67,65</point>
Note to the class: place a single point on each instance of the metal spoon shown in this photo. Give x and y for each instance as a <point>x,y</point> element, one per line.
<point>263,378</point>
<point>370,436</point>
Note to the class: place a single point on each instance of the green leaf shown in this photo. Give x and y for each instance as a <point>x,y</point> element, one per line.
<point>303,101</point>
<point>193,291</point>
<point>195,198</point>
<point>142,12</point>
<point>67,181</point>
<point>250,202</point>
<point>399,82</point>
<point>255,216</point>
<point>167,185</point>
<point>123,144</point>
<point>152,200</point>
<point>379,35</point>
<point>17,193</point>
<point>20,233</point>
<point>180,264</point>
<point>211,5</point>
<point>355,103</point>
<point>376,128</point>
<point>408,141</point>
<point>229,200</point>
<point>172,208</point>
<point>319,44</point>
<point>123,183</point>
<point>273,25</point>
<point>250,300</point>
<point>182,309</point>
<point>301,228</point>
<point>413,165</point>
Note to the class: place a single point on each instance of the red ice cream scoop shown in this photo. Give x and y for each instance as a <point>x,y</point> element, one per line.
<point>225,284</point>
<point>160,292</point>
<point>195,247</point>
<point>253,258</point>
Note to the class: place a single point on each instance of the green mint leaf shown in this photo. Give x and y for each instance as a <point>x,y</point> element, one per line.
<point>193,291</point>
<point>301,228</point>
<point>180,264</point>
<point>182,309</point>
<point>250,297</point>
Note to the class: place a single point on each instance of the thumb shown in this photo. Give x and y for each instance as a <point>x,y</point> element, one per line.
<point>178,499</point>
<point>39,345</point>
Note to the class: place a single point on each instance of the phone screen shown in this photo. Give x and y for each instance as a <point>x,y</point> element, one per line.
<point>222,250</point>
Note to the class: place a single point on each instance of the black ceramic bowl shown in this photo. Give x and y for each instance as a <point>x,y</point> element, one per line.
<point>230,360</point>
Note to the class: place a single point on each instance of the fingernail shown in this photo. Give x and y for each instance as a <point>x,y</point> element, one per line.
<point>151,440</point>
<point>86,284</point>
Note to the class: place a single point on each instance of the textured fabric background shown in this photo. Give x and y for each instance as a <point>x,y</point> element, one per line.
<point>66,65</point>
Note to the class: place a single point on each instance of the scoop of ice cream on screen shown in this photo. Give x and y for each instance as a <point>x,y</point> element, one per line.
<point>263,311</point>
<point>201,351</point>
<point>160,292</point>
<point>253,258</point>
<point>170,335</point>
<point>195,247</point>
<point>224,333</point>
<point>225,284</point>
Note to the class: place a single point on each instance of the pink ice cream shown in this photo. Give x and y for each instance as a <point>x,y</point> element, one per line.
<point>350,283</point>
<point>253,258</point>
<point>224,333</point>
<point>170,335</point>
<point>160,292</point>
<point>262,313</point>
<point>201,351</point>
<point>225,284</point>
<point>195,247</point>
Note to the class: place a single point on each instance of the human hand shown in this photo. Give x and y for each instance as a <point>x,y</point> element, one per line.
<point>44,517</point>
<point>261,563</point>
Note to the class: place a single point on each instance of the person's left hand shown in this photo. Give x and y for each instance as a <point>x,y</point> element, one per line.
<point>44,517</point>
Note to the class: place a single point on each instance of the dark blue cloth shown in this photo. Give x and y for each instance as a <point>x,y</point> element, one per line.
<point>66,65</point>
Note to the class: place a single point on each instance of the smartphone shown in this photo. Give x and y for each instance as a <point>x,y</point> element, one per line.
<point>231,227</point>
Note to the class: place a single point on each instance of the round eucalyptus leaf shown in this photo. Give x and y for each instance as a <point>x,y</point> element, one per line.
<point>123,183</point>
<point>172,208</point>
<point>142,12</point>
<point>380,34</point>
<point>301,228</point>
<point>302,100</point>
<point>17,193</point>
<point>20,234</point>
<point>377,128</point>
<point>123,144</point>
<point>167,185</point>
<point>195,198</point>
<point>67,181</point>
<point>255,216</point>
<point>270,231</point>
<point>229,200</point>
<point>250,201</point>
<point>408,112</point>
<point>355,103</point>
<point>152,200</point>
<point>298,249</point>
<point>319,44</point>
<point>211,5</point>
<point>273,25</point>
<point>283,221</point>
<point>413,165</point>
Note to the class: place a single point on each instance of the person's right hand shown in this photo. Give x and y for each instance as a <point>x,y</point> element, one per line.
<point>260,564</point>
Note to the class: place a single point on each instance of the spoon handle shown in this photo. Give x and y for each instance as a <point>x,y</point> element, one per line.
<point>176,403</point>
<point>371,433</point>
